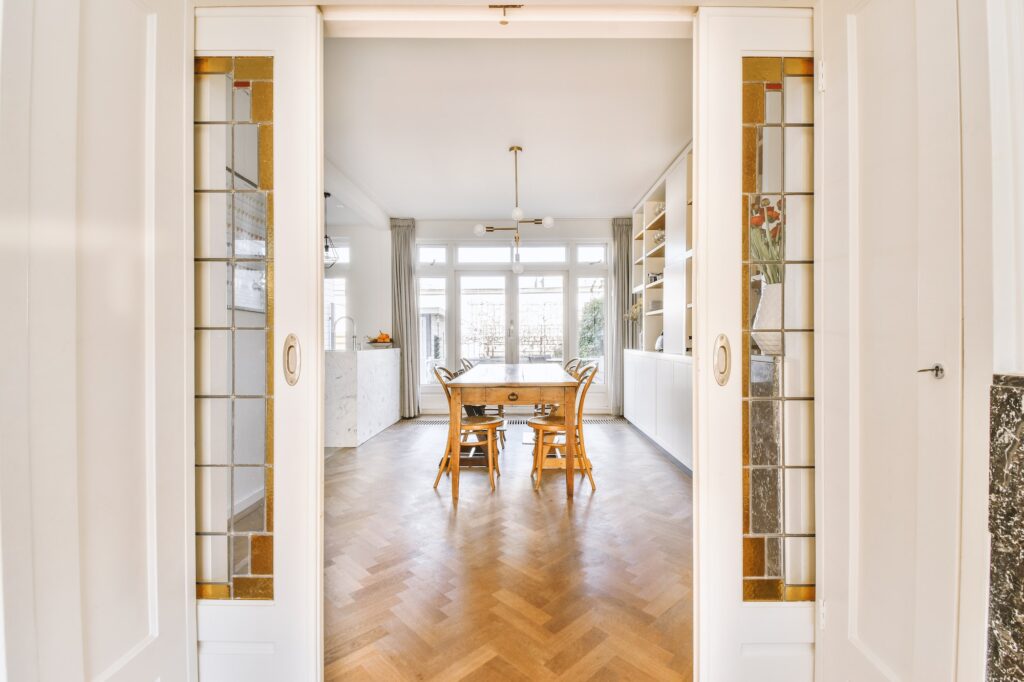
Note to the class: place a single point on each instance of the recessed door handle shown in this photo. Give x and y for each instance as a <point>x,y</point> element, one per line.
<point>291,360</point>
<point>936,370</point>
<point>513,396</point>
<point>722,359</point>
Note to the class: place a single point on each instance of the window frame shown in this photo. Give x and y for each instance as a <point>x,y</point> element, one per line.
<point>570,268</point>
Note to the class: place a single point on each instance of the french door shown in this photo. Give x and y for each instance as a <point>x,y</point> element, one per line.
<point>509,317</point>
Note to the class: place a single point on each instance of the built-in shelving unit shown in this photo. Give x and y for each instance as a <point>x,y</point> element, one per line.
<point>663,259</point>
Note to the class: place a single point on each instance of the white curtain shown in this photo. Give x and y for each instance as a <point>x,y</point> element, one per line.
<point>619,329</point>
<point>403,312</point>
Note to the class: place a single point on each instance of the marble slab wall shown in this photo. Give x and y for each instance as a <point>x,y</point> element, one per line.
<point>1006,525</point>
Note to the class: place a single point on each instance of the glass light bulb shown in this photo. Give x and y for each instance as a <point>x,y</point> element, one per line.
<point>479,230</point>
<point>517,268</point>
<point>548,222</point>
<point>517,213</point>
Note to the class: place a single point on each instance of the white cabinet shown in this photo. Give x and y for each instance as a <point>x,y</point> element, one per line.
<point>658,400</point>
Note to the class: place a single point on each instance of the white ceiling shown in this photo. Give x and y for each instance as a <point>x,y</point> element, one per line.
<point>422,126</point>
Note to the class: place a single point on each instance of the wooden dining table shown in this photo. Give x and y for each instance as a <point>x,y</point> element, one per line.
<point>514,384</point>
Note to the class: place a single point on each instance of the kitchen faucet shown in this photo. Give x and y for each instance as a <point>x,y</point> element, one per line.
<point>355,335</point>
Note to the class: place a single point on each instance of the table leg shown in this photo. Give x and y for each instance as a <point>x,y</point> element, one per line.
<point>455,419</point>
<point>569,408</point>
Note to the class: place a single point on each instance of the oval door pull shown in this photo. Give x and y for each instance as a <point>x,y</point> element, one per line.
<point>292,359</point>
<point>936,370</point>
<point>513,396</point>
<point>722,359</point>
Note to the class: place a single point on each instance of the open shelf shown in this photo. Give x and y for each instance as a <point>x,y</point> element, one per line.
<point>660,311</point>
<point>657,252</point>
<point>638,288</point>
<point>656,285</point>
<point>639,235</point>
<point>657,222</point>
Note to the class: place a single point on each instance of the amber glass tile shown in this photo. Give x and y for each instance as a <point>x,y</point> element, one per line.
<point>749,159</point>
<point>211,591</point>
<point>746,500</point>
<point>254,588</point>
<point>270,426</point>
<point>262,556</point>
<point>213,64</point>
<point>262,102</point>
<point>798,66</point>
<point>248,68</point>
<point>269,500</point>
<point>753,557</point>
<point>753,103</point>
<point>762,68</point>
<point>799,592</point>
<point>266,156</point>
<point>745,272</point>
<point>762,590</point>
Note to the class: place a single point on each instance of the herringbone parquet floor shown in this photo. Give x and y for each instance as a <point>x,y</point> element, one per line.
<point>514,585</point>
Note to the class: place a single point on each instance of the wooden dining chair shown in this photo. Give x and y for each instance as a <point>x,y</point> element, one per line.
<point>550,428</point>
<point>494,410</point>
<point>572,367</point>
<point>482,427</point>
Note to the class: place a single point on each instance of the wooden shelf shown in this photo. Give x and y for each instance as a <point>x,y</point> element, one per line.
<point>657,222</point>
<point>639,261</point>
<point>639,235</point>
<point>656,285</point>
<point>657,252</point>
<point>638,288</point>
<point>655,312</point>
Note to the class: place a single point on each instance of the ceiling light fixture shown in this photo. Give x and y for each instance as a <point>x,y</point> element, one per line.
<point>504,12</point>
<point>517,215</point>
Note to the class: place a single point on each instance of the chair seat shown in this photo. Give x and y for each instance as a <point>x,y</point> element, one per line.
<point>547,421</point>
<point>468,423</point>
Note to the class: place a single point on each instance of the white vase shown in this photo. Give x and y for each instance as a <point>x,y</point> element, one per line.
<point>769,316</point>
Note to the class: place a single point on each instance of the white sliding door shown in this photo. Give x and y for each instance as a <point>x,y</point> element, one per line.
<point>258,343</point>
<point>95,479</point>
<point>754,360</point>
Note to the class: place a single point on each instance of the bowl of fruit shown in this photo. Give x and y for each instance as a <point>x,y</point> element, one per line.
<point>382,340</point>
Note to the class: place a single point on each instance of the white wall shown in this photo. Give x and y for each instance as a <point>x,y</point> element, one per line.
<point>1006,58</point>
<point>368,290</point>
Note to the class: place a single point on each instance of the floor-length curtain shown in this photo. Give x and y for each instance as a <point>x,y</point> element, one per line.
<point>403,312</point>
<point>619,329</point>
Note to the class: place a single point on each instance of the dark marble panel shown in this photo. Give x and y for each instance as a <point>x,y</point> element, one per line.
<point>765,501</point>
<point>1008,380</point>
<point>765,432</point>
<point>1006,524</point>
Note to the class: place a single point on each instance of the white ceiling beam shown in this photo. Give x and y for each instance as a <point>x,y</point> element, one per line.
<point>366,21</point>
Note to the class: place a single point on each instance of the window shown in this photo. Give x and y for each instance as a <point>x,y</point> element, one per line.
<point>433,255</point>
<point>590,317</point>
<point>482,317</point>
<point>542,254</point>
<point>541,318</point>
<point>336,331</point>
<point>591,254</point>
<point>485,254</point>
<point>432,295</point>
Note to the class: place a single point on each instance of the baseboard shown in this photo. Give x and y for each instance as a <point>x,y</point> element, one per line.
<point>662,451</point>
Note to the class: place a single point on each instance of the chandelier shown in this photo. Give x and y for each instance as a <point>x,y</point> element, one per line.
<point>517,216</point>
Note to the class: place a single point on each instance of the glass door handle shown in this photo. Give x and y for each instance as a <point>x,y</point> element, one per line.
<point>936,370</point>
